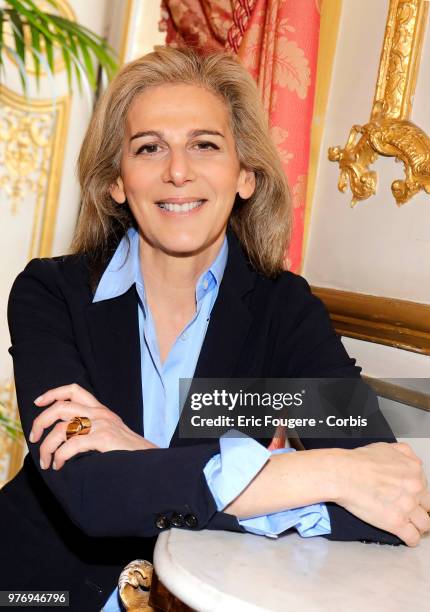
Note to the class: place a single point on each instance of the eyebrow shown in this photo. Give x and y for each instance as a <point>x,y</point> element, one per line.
<point>191,134</point>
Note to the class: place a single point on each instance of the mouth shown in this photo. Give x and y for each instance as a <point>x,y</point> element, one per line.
<point>180,207</point>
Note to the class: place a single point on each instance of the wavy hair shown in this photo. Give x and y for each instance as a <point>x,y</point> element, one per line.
<point>262,223</point>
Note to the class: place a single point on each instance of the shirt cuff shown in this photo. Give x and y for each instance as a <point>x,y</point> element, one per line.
<point>229,473</point>
<point>309,521</point>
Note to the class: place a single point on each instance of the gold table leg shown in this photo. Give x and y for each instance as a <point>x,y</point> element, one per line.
<point>141,590</point>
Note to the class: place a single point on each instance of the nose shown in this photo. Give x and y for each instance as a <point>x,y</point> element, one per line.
<point>178,168</point>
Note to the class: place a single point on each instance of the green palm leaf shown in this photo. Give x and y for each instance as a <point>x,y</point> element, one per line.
<point>102,51</point>
<point>36,50</point>
<point>68,65</point>
<point>49,51</point>
<point>18,36</point>
<point>18,33</point>
<point>80,48</point>
<point>74,48</point>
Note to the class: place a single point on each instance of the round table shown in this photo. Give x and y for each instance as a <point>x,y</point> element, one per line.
<point>223,571</point>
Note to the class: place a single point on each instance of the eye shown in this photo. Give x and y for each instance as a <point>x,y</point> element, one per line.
<point>147,148</point>
<point>206,145</point>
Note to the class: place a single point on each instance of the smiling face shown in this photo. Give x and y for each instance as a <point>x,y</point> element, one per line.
<point>179,168</point>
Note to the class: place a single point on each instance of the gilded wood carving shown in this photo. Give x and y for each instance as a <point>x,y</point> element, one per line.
<point>32,136</point>
<point>134,584</point>
<point>390,132</point>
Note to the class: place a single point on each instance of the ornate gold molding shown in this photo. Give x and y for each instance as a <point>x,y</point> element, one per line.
<point>398,323</point>
<point>390,132</point>
<point>32,136</point>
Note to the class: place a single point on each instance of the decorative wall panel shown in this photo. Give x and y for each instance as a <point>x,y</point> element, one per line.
<point>31,158</point>
<point>32,136</point>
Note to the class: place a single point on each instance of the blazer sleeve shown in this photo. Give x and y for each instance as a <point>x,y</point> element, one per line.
<point>317,352</point>
<point>117,493</point>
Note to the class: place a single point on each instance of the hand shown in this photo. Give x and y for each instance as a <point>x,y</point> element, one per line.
<point>385,485</point>
<point>108,431</point>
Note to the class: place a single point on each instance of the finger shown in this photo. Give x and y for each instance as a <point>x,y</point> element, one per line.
<point>76,444</point>
<point>50,444</point>
<point>409,534</point>
<point>62,410</point>
<point>420,519</point>
<point>72,392</point>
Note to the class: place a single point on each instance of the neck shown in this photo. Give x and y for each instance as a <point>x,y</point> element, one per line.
<point>171,279</point>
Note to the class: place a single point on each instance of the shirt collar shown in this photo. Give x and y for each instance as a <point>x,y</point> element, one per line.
<point>123,270</point>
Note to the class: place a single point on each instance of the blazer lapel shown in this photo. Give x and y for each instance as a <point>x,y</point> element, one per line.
<point>228,327</point>
<point>114,331</point>
<point>230,318</point>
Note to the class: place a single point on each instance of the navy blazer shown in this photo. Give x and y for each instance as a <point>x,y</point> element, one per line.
<point>76,528</point>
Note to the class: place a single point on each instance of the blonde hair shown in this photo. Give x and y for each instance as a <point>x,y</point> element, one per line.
<point>262,223</point>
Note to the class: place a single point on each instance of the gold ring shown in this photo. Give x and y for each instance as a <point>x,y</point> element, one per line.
<point>78,426</point>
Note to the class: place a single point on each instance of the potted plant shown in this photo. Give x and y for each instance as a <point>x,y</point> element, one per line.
<point>28,32</point>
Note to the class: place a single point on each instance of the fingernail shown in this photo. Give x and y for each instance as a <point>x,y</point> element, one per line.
<point>42,465</point>
<point>38,399</point>
<point>31,437</point>
<point>54,466</point>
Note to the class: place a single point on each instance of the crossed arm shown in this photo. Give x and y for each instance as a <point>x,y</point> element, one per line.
<point>382,484</point>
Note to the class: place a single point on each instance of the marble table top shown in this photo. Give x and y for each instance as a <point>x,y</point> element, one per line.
<point>222,571</point>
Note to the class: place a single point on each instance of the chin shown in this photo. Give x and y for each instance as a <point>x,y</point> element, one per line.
<point>186,244</point>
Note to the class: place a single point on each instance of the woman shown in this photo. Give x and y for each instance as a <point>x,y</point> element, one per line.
<point>157,289</point>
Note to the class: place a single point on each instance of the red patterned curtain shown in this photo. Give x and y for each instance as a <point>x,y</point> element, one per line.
<point>277,41</point>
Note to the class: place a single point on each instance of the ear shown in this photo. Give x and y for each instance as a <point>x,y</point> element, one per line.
<point>117,191</point>
<point>246,183</point>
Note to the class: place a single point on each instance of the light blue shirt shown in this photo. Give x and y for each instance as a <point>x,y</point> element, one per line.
<point>240,458</point>
<point>160,389</point>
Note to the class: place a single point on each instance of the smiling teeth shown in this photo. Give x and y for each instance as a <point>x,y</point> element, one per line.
<point>186,207</point>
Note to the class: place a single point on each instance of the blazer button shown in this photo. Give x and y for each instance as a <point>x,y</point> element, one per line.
<point>162,521</point>
<point>177,519</point>
<point>190,520</point>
